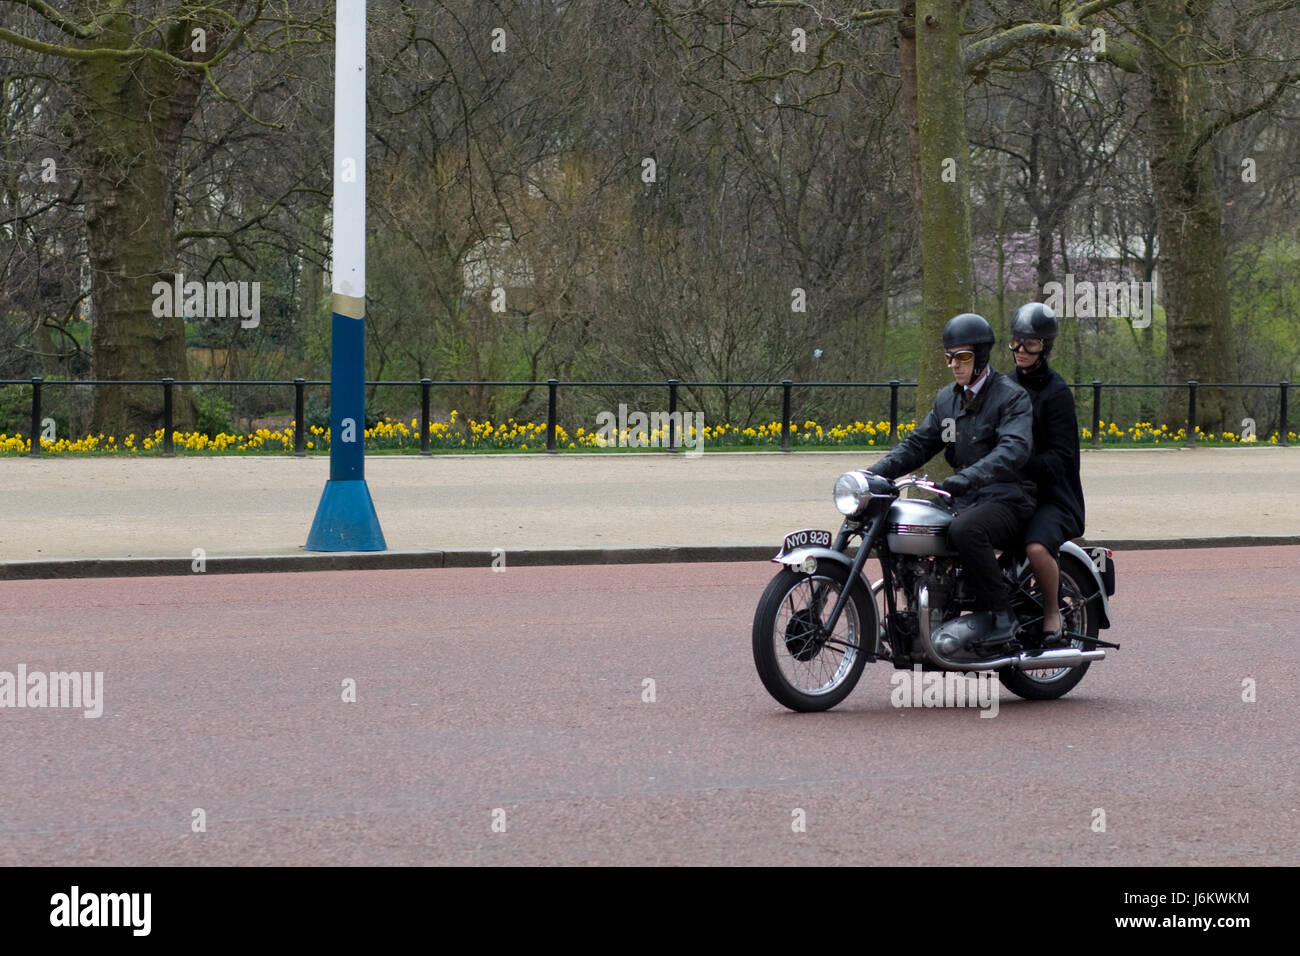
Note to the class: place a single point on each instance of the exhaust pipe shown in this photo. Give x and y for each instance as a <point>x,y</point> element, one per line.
<point>1063,657</point>
<point>1047,660</point>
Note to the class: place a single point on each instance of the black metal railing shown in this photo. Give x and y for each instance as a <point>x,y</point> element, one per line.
<point>1192,388</point>
<point>553,386</point>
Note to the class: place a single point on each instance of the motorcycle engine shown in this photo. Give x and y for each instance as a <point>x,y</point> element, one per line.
<point>941,576</point>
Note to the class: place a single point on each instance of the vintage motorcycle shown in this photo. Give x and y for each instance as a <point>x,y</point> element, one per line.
<point>820,621</point>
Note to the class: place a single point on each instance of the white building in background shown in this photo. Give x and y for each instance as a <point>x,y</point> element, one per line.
<point>496,262</point>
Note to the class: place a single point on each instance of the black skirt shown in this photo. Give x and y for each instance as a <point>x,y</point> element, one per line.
<point>1051,526</point>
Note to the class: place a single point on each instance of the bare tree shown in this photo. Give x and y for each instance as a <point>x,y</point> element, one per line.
<point>135,70</point>
<point>1176,46</point>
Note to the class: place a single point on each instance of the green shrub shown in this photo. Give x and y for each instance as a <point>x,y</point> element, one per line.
<point>15,409</point>
<point>316,409</point>
<point>214,413</point>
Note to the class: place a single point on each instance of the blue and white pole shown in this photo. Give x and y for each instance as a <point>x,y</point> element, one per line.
<point>346,518</point>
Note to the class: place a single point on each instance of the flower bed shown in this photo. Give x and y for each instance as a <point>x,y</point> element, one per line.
<point>458,435</point>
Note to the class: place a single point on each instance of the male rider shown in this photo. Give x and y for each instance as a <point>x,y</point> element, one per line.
<point>1054,464</point>
<point>984,425</point>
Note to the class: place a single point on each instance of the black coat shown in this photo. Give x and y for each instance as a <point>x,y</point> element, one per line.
<point>1054,464</point>
<point>987,442</point>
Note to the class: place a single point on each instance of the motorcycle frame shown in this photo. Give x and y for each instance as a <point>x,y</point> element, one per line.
<point>870,532</point>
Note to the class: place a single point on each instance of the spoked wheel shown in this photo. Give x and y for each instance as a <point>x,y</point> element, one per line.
<point>1077,616</point>
<point>801,665</point>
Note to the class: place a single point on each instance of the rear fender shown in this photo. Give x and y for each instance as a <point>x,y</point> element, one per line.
<point>1081,556</point>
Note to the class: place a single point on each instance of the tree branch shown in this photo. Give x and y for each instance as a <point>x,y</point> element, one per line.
<point>1122,55</point>
<point>1223,122</point>
<point>70,27</point>
<point>819,65</point>
<point>1069,32</point>
<point>132,52</point>
<point>873,16</point>
<point>229,234</point>
<point>1085,10</point>
<point>1021,35</point>
<point>865,16</point>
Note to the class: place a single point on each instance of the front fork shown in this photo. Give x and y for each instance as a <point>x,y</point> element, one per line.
<point>869,535</point>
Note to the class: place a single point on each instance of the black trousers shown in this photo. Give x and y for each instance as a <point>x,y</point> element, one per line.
<point>975,532</point>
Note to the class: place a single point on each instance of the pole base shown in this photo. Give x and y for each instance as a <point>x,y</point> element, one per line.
<point>346,519</point>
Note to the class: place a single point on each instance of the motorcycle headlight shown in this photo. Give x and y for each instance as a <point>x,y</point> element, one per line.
<point>851,493</point>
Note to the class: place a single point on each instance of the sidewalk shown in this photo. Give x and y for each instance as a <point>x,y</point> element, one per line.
<point>110,516</point>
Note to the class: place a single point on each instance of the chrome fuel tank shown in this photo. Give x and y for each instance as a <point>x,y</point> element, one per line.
<point>916,526</point>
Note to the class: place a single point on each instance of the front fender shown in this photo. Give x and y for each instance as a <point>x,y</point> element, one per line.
<point>792,559</point>
<point>1077,552</point>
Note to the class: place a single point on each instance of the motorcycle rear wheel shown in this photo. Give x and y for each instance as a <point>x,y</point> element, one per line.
<point>1077,616</point>
<point>800,668</point>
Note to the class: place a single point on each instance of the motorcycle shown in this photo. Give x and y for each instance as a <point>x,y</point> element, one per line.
<point>820,621</point>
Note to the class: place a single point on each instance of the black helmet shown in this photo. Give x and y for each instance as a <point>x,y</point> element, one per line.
<point>1034,320</point>
<point>970,329</point>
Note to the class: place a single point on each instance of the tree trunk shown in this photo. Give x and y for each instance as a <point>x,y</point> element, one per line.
<point>131,113</point>
<point>948,276</point>
<point>878,329</point>
<point>907,90</point>
<point>1198,344</point>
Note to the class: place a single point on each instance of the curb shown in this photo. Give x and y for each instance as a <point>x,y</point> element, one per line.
<point>514,557</point>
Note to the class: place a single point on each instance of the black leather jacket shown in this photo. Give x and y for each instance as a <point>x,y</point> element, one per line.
<point>990,441</point>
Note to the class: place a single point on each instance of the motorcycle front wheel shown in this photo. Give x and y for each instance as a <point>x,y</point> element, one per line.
<point>801,665</point>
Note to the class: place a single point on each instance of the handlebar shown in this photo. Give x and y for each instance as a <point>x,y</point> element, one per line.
<point>924,483</point>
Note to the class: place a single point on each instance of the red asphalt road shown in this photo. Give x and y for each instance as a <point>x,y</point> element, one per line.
<point>520,693</point>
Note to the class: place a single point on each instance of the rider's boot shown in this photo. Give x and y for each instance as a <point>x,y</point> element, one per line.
<point>1001,627</point>
<point>1004,626</point>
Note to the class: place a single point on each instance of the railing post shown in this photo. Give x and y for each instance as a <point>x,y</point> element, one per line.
<point>551,385</point>
<point>36,417</point>
<point>672,415</point>
<point>299,408</point>
<point>424,415</point>
<point>1096,413</point>
<point>1191,414</point>
<point>168,450</point>
<point>785,414</point>
<point>1282,388</point>
<point>893,412</point>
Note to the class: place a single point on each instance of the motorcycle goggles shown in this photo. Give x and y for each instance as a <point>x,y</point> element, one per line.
<point>1030,346</point>
<point>962,356</point>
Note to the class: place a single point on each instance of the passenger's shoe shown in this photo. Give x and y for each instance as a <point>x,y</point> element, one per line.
<point>1054,638</point>
<point>1033,644</point>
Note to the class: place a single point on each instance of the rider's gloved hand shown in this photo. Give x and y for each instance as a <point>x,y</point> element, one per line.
<point>956,486</point>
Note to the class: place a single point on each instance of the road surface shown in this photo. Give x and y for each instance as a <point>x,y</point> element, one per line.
<point>506,718</point>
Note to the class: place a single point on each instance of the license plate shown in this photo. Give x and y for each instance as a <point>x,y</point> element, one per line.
<point>808,538</point>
